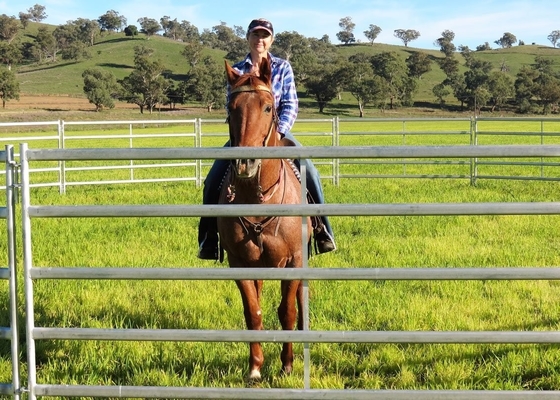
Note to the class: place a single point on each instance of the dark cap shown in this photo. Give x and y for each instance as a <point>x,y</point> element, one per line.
<point>260,23</point>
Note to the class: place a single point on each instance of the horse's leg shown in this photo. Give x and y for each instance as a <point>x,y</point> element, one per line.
<point>300,306</point>
<point>253,319</point>
<point>287,316</point>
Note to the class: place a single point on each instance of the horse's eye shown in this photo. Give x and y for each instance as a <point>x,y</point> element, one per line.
<point>268,109</point>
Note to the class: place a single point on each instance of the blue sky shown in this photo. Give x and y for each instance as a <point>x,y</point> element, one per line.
<point>474,22</point>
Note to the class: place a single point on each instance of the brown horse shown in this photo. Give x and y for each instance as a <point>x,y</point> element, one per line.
<point>267,241</point>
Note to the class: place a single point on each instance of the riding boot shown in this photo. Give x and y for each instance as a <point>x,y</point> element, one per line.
<point>208,226</point>
<point>322,234</point>
<point>208,239</point>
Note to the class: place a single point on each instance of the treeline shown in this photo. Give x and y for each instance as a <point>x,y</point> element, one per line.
<point>384,80</point>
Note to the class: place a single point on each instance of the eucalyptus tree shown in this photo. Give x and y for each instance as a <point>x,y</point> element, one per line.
<point>500,86</point>
<point>10,54</point>
<point>112,21</point>
<point>506,41</point>
<point>9,28</point>
<point>554,37</point>
<point>45,44</point>
<point>149,26</point>
<point>323,84</point>
<point>406,35</point>
<point>37,13</point>
<point>346,35</point>
<point>419,63</point>
<point>88,30</point>
<point>171,28</point>
<point>372,33</point>
<point>192,52</point>
<point>9,86</point>
<point>100,88</point>
<point>393,69</point>
<point>191,33</point>
<point>363,84</point>
<point>145,86</point>
<point>205,83</point>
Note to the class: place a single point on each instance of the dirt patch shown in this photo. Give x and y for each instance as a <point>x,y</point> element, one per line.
<point>57,103</point>
<point>42,107</point>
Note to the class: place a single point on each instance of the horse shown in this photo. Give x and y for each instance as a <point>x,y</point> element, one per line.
<point>267,241</point>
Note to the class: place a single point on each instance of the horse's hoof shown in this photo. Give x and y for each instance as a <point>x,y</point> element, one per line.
<point>255,375</point>
<point>286,370</point>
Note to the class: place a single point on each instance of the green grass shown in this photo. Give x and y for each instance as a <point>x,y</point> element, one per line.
<point>363,242</point>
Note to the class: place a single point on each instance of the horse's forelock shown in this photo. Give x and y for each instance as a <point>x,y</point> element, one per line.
<point>248,79</point>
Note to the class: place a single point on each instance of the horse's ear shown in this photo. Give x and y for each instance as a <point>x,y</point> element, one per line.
<point>265,72</point>
<point>231,74</point>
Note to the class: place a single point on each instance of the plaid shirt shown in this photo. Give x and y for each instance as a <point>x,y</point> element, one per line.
<point>283,88</point>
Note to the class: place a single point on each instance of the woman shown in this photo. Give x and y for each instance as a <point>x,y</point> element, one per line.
<point>260,36</point>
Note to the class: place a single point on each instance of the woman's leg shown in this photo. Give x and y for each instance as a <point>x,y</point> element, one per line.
<point>324,236</point>
<point>208,226</point>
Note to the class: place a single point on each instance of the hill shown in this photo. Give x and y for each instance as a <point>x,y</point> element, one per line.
<point>114,52</point>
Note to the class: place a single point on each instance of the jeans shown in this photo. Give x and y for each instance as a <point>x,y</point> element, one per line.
<point>211,191</point>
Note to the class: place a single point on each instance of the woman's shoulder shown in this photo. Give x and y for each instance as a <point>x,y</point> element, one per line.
<point>279,62</point>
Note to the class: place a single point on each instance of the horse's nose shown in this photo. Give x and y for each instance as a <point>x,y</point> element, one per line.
<point>245,167</point>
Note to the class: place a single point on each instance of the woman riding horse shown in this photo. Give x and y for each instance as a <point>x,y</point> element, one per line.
<point>260,36</point>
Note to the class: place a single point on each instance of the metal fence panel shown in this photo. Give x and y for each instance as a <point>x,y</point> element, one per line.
<point>39,333</point>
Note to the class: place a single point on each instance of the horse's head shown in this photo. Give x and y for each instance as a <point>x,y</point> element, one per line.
<point>252,115</point>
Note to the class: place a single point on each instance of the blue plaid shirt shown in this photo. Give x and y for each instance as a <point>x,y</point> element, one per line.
<point>283,88</point>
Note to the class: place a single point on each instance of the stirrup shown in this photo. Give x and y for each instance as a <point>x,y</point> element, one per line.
<point>324,242</point>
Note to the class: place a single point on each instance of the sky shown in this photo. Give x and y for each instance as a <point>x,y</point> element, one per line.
<point>474,22</point>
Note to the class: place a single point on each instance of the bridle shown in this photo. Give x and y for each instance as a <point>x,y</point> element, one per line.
<point>257,88</point>
<point>259,226</point>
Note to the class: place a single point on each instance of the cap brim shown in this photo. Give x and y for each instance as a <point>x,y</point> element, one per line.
<point>261,28</point>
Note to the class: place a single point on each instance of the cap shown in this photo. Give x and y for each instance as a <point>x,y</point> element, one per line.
<point>260,23</point>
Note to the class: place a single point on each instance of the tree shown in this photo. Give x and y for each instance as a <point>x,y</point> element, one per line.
<point>224,36</point>
<point>372,33</point>
<point>525,88</point>
<point>406,35</point>
<point>37,13</point>
<point>145,86</point>
<point>323,85</point>
<point>554,37</point>
<point>483,47</point>
<point>441,91</point>
<point>445,43</point>
<point>100,87</point>
<point>393,69</point>
<point>500,86</point>
<point>24,19</point>
<point>418,64</point>
<point>205,83</point>
<point>9,28</point>
<point>88,30</point>
<point>131,30</point>
<point>364,85</point>
<point>346,35</point>
<point>9,86</point>
<point>506,41</point>
<point>192,52</point>
<point>46,44</point>
<point>171,28</point>
<point>191,33</point>
<point>287,44</point>
<point>111,21</point>
<point>10,54</point>
<point>149,26</point>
